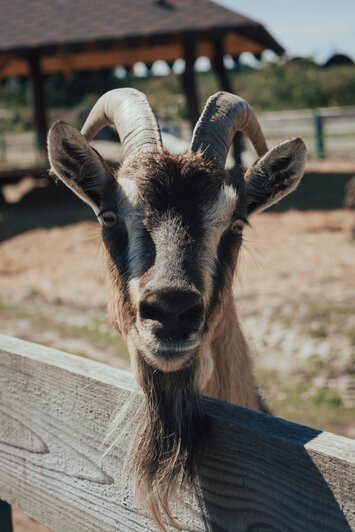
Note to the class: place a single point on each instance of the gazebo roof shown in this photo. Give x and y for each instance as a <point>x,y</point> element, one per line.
<point>95,34</point>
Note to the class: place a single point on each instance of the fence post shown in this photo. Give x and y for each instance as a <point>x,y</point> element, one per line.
<point>319,134</point>
<point>2,149</point>
<point>5,517</point>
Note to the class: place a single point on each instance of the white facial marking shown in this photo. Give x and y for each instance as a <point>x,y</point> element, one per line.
<point>220,212</point>
<point>168,238</point>
<point>217,219</point>
<point>129,189</point>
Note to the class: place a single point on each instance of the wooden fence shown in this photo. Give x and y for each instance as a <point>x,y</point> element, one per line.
<point>260,474</point>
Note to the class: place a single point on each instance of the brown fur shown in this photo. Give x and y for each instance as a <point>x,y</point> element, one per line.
<point>232,378</point>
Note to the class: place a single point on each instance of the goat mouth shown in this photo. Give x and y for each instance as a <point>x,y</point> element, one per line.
<point>170,358</point>
<point>164,355</point>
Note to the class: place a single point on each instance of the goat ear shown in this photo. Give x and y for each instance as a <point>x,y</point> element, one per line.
<point>275,174</point>
<point>77,164</point>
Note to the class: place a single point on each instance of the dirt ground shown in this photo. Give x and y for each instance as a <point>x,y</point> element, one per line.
<point>294,290</point>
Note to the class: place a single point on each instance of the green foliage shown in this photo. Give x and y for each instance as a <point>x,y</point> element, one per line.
<point>327,397</point>
<point>278,86</point>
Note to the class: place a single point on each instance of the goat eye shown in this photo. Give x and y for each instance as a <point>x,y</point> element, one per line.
<point>109,218</point>
<point>237,226</point>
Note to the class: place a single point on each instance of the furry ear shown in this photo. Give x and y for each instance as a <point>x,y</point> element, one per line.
<point>77,164</point>
<point>275,174</point>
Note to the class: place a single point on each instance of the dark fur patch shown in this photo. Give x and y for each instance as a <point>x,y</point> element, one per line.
<point>184,184</point>
<point>280,166</point>
<point>77,163</point>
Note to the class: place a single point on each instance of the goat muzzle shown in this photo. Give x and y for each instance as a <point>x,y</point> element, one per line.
<point>170,322</point>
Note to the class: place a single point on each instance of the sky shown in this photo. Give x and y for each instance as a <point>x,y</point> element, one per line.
<point>318,28</point>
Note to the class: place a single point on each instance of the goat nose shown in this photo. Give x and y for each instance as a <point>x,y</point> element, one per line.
<point>173,309</point>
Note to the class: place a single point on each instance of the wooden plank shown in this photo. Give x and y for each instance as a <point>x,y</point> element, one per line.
<point>260,473</point>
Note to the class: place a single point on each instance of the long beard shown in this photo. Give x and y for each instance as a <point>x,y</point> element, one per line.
<point>172,438</point>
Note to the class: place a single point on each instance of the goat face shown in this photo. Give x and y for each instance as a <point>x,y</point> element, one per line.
<point>171,254</point>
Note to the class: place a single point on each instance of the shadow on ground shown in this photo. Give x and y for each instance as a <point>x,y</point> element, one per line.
<point>42,207</point>
<point>317,191</point>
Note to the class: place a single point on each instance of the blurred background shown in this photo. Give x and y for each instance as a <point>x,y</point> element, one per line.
<point>294,64</point>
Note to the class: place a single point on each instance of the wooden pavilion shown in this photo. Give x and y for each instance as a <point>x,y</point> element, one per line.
<point>39,38</point>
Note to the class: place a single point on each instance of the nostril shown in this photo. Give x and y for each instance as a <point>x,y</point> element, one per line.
<point>149,311</point>
<point>172,308</point>
<point>192,314</point>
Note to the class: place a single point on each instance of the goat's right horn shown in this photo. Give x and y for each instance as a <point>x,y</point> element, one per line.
<point>225,114</point>
<point>129,111</point>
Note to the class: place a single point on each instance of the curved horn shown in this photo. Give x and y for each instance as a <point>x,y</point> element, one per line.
<point>225,114</point>
<point>129,111</point>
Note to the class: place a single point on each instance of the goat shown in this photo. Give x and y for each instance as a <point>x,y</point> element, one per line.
<point>172,229</point>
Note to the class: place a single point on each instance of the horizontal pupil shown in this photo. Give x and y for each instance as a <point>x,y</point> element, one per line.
<point>109,218</point>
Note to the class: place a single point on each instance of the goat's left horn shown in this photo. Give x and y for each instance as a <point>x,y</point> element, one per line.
<point>129,111</point>
<point>225,114</point>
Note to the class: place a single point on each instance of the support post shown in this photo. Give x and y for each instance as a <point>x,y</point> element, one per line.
<point>5,517</point>
<point>189,81</point>
<point>319,135</point>
<point>222,74</point>
<point>39,100</point>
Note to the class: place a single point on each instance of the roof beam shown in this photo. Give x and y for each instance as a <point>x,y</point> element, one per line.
<point>121,53</point>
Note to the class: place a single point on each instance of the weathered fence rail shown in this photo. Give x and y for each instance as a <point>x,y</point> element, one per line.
<point>260,473</point>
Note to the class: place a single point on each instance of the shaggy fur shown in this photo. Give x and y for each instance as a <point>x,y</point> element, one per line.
<point>172,438</point>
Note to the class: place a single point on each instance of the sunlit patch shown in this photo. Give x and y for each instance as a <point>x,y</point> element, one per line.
<point>129,190</point>
<point>216,220</point>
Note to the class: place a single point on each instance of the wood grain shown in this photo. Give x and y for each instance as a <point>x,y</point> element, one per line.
<point>260,473</point>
